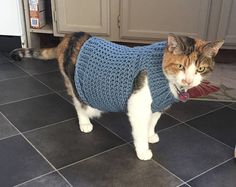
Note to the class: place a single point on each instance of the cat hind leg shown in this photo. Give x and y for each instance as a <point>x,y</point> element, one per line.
<point>84,115</point>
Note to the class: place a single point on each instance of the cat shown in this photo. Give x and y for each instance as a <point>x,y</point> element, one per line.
<point>102,76</point>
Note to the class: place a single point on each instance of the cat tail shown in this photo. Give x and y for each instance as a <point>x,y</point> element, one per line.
<point>43,54</point>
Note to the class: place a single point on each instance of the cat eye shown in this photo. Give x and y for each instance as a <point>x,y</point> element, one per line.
<point>201,69</point>
<point>180,66</point>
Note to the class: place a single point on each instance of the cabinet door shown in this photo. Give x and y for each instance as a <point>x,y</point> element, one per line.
<point>154,19</point>
<point>227,23</point>
<point>82,15</point>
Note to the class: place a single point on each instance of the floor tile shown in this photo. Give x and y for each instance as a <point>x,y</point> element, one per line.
<point>226,103</point>
<point>165,121</point>
<point>222,176</point>
<point>64,143</point>
<point>35,66</point>
<point>191,109</point>
<point>220,124</point>
<point>187,153</point>
<point>54,80</point>
<point>6,128</point>
<point>233,106</point>
<point>19,162</point>
<point>3,58</point>
<point>119,123</point>
<point>50,180</point>
<point>65,96</point>
<point>21,88</point>
<point>119,167</point>
<point>8,71</point>
<point>8,43</point>
<point>38,112</point>
<point>184,185</point>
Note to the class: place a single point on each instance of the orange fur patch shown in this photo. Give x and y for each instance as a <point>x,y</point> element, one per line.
<point>170,60</point>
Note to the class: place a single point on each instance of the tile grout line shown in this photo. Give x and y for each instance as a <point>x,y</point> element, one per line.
<point>183,184</point>
<point>62,176</point>
<point>209,136</point>
<point>9,136</point>
<point>157,163</point>
<point>13,78</point>
<point>54,168</point>
<point>54,91</point>
<point>198,116</point>
<point>33,179</point>
<point>110,131</point>
<point>46,72</point>
<point>33,97</point>
<point>71,102</point>
<point>186,124</point>
<point>39,128</point>
<point>173,117</point>
<point>230,106</point>
<point>210,169</point>
<point>164,168</point>
<point>93,156</point>
<point>210,100</point>
<point>49,125</point>
<point>228,103</point>
<point>31,75</point>
<point>177,124</point>
<point>64,90</point>
<point>214,110</point>
<point>15,63</point>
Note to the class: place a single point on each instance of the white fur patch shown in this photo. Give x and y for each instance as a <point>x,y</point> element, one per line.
<point>173,90</point>
<point>188,76</point>
<point>139,112</point>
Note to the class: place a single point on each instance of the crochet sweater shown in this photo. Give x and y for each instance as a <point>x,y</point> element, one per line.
<point>105,73</point>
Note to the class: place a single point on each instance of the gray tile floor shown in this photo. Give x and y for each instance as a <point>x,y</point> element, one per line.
<point>41,145</point>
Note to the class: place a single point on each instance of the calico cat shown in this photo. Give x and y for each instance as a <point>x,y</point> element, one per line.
<point>143,81</point>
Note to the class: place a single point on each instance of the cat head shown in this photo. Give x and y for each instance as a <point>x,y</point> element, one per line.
<point>188,61</point>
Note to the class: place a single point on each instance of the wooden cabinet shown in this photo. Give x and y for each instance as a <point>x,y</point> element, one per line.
<point>140,21</point>
<point>154,19</point>
<point>91,16</point>
<point>227,22</point>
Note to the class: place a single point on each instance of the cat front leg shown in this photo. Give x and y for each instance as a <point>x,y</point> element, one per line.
<point>139,113</point>
<point>139,124</point>
<point>152,135</point>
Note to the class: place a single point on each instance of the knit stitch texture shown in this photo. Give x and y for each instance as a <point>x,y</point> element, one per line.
<point>105,73</point>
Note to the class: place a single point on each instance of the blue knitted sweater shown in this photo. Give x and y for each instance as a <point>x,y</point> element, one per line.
<point>105,73</point>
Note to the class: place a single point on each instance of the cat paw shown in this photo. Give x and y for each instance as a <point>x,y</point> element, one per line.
<point>153,139</point>
<point>145,155</point>
<point>86,128</point>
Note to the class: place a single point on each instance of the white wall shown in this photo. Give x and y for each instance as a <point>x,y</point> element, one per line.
<point>11,18</point>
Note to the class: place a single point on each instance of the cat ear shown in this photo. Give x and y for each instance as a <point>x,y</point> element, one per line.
<point>174,45</point>
<point>211,49</point>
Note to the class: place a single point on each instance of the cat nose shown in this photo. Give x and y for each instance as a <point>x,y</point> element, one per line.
<point>187,81</point>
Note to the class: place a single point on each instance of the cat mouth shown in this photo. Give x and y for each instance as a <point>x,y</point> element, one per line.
<point>182,93</point>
